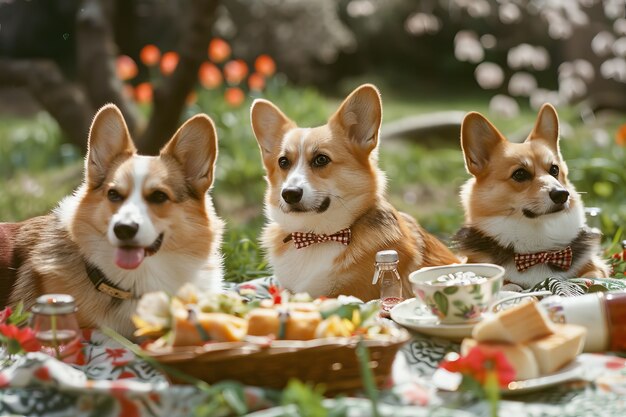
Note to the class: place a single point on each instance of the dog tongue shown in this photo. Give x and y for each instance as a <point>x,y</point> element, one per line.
<point>129,258</point>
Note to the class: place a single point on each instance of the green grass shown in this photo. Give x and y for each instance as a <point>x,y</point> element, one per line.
<point>423,180</point>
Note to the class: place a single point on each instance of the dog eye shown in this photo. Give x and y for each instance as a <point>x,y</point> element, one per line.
<point>283,162</point>
<point>157,197</point>
<point>321,160</point>
<point>521,175</point>
<point>554,170</point>
<point>114,196</point>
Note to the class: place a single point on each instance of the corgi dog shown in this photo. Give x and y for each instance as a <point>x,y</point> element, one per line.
<point>521,212</point>
<point>327,215</point>
<point>136,224</point>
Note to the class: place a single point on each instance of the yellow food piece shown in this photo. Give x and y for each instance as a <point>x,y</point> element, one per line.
<point>298,325</point>
<point>219,327</point>
<point>556,350</point>
<point>519,324</point>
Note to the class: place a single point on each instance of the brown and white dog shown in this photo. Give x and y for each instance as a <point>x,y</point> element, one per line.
<point>137,224</point>
<point>521,212</point>
<point>325,180</point>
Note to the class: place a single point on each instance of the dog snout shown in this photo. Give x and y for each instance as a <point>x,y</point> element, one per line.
<point>125,231</point>
<point>292,195</point>
<point>559,195</point>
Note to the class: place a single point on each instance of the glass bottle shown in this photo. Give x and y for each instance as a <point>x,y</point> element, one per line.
<point>55,324</point>
<point>386,275</point>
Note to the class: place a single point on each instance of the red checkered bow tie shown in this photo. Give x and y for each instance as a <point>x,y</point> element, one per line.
<point>560,258</point>
<point>302,240</point>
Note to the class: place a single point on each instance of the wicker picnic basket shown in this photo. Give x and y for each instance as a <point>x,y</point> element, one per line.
<point>330,361</point>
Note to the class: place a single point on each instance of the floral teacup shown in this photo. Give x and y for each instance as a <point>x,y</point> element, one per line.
<point>460,293</point>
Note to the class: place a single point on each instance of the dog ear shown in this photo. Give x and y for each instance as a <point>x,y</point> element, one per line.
<point>194,146</point>
<point>360,116</point>
<point>108,140</point>
<point>269,125</point>
<point>547,127</point>
<point>478,139</point>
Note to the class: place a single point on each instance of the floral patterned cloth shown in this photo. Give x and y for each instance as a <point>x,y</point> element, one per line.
<point>113,382</point>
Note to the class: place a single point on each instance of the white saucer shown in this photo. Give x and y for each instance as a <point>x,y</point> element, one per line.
<point>415,315</point>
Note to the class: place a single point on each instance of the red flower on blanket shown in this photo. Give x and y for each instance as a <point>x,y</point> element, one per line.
<point>484,370</point>
<point>73,352</point>
<point>18,340</point>
<point>275,291</point>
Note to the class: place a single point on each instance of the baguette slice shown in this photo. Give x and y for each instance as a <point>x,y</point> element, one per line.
<point>519,324</point>
<point>219,327</point>
<point>299,325</point>
<point>556,350</point>
<point>519,356</point>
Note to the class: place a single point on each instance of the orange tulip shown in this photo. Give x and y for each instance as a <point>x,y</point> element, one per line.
<point>234,96</point>
<point>265,65</point>
<point>620,135</point>
<point>219,50</point>
<point>169,63</point>
<point>150,55</point>
<point>125,67</point>
<point>209,75</point>
<point>235,71</point>
<point>256,82</point>
<point>143,93</point>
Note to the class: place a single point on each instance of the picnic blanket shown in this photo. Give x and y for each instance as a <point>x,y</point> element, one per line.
<point>114,382</point>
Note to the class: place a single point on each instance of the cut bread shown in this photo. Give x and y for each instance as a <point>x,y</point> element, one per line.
<point>556,350</point>
<point>205,327</point>
<point>519,324</point>
<point>296,325</point>
<point>519,356</point>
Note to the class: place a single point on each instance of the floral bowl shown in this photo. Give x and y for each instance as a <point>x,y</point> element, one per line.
<point>457,293</point>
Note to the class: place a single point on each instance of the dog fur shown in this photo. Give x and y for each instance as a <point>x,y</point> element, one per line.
<point>505,216</point>
<point>165,197</point>
<point>335,169</point>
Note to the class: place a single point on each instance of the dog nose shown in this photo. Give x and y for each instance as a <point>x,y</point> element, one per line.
<point>559,196</point>
<point>292,195</point>
<point>125,231</point>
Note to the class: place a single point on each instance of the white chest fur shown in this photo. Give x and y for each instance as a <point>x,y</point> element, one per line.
<point>308,269</point>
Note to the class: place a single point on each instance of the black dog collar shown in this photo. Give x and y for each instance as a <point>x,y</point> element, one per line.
<point>102,284</point>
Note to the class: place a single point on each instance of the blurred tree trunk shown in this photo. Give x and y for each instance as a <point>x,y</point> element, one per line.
<point>66,102</point>
<point>96,52</point>
<point>170,96</point>
<point>73,104</point>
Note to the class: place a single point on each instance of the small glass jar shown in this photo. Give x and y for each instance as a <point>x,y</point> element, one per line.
<point>386,275</point>
<point>55,324</point>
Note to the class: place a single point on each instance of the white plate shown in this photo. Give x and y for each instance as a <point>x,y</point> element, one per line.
<point>570,372</point>
<point>415,315</point>
<point>449,381</point>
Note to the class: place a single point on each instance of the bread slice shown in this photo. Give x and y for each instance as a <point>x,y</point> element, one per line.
<point>519,324</point>
<point>519,356</point>
<point>297,325</point>
<point>556,350</point>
